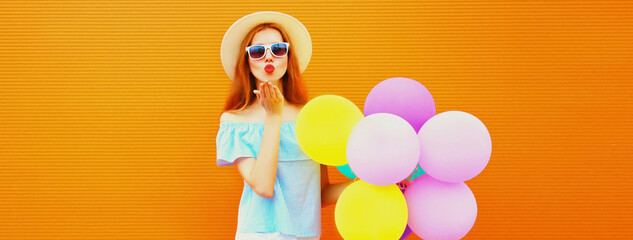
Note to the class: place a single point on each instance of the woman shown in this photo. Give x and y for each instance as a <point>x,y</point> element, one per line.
<point>264,54</point>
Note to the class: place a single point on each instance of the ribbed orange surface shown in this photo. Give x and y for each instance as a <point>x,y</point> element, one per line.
<point>109,109</point>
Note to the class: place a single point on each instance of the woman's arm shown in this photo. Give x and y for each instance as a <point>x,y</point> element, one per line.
<point>330,192</point>
<point>260,173</point>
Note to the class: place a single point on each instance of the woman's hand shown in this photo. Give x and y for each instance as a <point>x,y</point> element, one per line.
<point>270,97</point>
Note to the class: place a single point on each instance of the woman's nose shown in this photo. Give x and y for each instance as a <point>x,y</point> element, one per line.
<point>269,55</point>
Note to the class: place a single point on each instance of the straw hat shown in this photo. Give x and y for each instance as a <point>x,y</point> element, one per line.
<point>301,42</point>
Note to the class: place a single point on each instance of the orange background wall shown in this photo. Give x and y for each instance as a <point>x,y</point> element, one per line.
<point>109,109</point>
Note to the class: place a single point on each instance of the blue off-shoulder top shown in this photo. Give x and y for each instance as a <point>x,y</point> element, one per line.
<point>295,208</point>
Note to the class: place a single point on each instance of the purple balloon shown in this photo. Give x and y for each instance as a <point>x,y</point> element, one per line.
<point>403,97</point>
<point>383,149</point>
<point>455,146</point>
<point>440,210</point>
<point>407,232</point>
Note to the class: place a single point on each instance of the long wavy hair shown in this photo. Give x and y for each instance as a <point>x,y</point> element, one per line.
<point>241,92</point>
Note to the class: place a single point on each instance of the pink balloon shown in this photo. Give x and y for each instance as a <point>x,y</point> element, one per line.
<point>383,149</point>
<point>404,97</point>
<point>454,146</point>
<point>440,210</point>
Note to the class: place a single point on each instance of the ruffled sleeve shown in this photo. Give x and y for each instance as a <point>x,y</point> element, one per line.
<point>235,140</point>
<point>243,139</point>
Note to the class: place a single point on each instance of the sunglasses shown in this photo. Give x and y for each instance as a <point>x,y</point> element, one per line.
<point>257,52</point>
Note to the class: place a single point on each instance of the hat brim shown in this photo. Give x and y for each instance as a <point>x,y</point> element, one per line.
<point>298,34</point>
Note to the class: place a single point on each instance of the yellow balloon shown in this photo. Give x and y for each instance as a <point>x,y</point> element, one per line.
<point>323,127</point>
<point>366,211</point>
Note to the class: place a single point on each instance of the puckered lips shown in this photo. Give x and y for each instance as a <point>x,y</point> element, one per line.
<point>269,68</point>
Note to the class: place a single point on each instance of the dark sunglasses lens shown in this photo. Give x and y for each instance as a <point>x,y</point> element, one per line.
<point>279,49</point>
<point>257,51</point>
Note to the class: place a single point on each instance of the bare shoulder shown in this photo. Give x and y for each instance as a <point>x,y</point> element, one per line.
<point>247,114</point>
<point>229,117</point>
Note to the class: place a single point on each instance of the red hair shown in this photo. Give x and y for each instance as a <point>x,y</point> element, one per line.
<point>241,92</point>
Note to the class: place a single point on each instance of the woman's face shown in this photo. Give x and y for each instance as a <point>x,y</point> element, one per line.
<point>279,64</point>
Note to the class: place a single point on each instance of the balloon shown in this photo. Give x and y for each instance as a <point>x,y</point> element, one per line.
<point>417,172</point>
<point>440,210</point>
<point>383,149</point>
<point>346,170</point>
<point>454,146</point>
<point>403,97</point>
<point>406,233</point>
<point>365,211</point>
<point>323,127</point>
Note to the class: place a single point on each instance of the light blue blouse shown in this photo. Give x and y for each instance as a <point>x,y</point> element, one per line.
<point>295,208</point>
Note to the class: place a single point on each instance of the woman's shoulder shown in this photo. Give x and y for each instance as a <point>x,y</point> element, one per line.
<point>229,117</point>
<point>248,114</point>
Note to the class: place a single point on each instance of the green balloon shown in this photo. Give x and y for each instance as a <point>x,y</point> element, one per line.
<point>417,172</point>
<point>346,170</point>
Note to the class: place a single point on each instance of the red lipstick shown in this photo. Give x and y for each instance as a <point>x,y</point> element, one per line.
<point>269,68</point>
